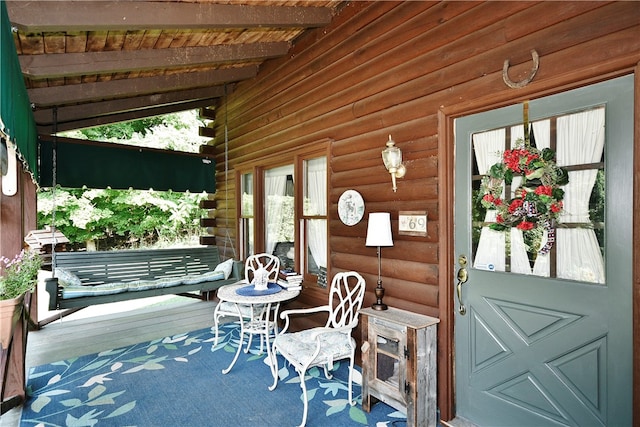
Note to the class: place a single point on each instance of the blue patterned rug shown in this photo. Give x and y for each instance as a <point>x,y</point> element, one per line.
<point>177,381</point>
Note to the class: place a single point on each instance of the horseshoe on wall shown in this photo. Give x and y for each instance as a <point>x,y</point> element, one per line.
<point>527,80</point>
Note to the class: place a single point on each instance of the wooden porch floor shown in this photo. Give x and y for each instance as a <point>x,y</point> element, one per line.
<point>100,328</point>
<point>84,333</point>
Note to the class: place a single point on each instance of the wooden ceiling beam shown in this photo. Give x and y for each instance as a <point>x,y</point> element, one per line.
<point>123,117</point>
<point>89,63</point>
<point>71,16</point>
<point>96,109</point>
<point>127,88</point>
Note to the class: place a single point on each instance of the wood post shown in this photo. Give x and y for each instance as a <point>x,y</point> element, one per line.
<point>14,346</point>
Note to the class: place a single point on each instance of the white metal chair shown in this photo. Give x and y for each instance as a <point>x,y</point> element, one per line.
<point>271,264</point>
<point>322,346</point>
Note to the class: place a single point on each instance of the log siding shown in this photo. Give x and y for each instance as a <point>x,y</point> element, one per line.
<point>407,69</point>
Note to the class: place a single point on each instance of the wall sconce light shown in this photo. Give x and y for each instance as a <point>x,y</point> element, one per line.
<point>392,158</point>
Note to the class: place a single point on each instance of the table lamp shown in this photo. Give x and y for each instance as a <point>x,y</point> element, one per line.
<point>379,235</point>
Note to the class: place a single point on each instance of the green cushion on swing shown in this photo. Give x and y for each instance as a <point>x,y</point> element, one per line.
<point>67,278</point>
<point>69,292</point>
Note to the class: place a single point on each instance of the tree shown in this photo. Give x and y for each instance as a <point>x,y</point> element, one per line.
<point>109,218</point>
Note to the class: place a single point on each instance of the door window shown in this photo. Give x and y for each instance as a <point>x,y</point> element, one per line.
<point>573,247</point>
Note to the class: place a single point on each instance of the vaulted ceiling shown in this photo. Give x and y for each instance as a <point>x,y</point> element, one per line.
<point>89,63</point>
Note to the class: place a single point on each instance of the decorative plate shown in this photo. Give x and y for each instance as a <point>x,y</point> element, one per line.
<point>350,207</point>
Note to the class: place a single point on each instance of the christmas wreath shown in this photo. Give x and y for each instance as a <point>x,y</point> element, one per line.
<point>537,202</point>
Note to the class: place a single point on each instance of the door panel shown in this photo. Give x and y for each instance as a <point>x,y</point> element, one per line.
<point>538,351</point>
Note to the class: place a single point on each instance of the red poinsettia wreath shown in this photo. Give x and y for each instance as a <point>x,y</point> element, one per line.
<point>537,202</point>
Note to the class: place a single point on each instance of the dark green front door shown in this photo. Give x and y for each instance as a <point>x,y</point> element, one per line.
<point>546,340</point>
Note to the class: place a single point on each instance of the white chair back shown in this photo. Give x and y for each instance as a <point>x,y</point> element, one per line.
<point>270,263</point>
<point>345,299</point>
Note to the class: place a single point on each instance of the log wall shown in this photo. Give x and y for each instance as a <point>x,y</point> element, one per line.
<point>399,68</point>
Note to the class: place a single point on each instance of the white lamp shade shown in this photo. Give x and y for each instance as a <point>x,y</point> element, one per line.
<point>379,229</point>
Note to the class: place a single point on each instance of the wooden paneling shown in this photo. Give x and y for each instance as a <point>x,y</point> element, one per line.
<point>391,68</point>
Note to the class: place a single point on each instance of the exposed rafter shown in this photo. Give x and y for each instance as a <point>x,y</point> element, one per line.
<point>126,116</point>
<point>101,61</point>
<point>78,64</point>
<point>60,95</point>
<point>71,113</point>
<point>69,16</point>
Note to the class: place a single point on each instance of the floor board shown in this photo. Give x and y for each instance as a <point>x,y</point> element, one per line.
<point>82,333</point>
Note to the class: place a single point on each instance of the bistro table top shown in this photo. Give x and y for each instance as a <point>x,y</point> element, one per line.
<point>228,293</point>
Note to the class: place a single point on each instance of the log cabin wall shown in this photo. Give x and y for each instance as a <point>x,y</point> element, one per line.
<point>399,68</point>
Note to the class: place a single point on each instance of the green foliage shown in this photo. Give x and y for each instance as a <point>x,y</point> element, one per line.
<point>178,131</point>
<point>121,218</point>
<point>128,130</point>
<point>280,211</point>
<point>597,200</point>
<point>129,218</point>
<point>597,206</point>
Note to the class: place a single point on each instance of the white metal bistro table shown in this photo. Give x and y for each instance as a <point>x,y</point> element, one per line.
<point>263,321</point>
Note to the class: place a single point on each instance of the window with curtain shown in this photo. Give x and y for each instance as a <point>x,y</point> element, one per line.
<point>314,217</point>
<point>578,252</point>
<point>279,207</point>
<point>246,215</point>
<point>283,210</point>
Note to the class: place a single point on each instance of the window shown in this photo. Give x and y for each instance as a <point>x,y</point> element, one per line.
<point>313,221</point>
<point>279,214</point>
<point>246,214</point>
<point>578,250</point>
<point>289,194</point>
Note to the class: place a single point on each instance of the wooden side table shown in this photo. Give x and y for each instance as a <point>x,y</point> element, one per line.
<point>399,363</point>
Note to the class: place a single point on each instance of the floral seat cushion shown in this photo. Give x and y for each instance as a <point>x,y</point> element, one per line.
<point>301,345</point>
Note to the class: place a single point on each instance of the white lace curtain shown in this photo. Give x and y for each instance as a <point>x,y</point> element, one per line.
<point>580,140</point>
<point>275,189</point>
<point>316,204</point>
<point>490,255</point>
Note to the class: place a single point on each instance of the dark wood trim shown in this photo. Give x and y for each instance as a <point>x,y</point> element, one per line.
<point>446,185</point>
<point>43,97</point>
<point>208,132</point>
<point>71,16</point>
<point>70,113</point>
<point>123,116</point>
<point>55,65</point>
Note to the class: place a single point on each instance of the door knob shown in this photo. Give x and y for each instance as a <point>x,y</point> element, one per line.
<point>462,278</point>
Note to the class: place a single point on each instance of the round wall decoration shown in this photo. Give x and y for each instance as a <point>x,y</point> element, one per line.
<point>350,207</point>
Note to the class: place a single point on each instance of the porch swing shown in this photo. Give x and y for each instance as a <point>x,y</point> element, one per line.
<point>81,279</point>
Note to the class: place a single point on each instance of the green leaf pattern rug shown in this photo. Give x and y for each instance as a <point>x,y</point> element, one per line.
<point>177,381</point>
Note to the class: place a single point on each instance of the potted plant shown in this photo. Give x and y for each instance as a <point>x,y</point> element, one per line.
<point>19,276</point>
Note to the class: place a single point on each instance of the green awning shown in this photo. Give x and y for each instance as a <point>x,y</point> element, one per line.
<point>17,123</point>
<point>93,164</point>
